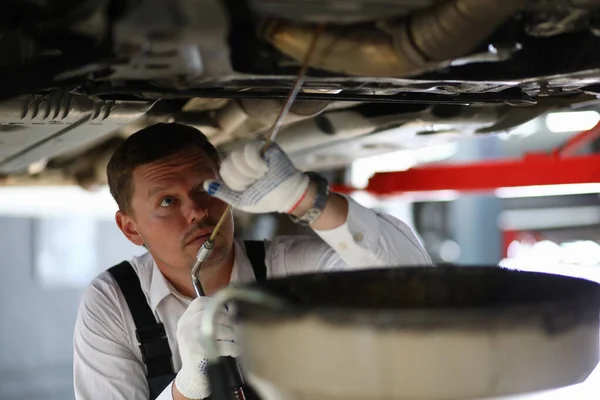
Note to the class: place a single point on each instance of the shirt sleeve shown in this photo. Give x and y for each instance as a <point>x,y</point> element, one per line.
<point>374,239</point>
<point>104,366</point>
<point>367,239</point>
<point>289,255</point>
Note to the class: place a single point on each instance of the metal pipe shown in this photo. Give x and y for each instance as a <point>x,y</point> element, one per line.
<point>252,117</point>
<point>427,40</point>
<point>323,130</point>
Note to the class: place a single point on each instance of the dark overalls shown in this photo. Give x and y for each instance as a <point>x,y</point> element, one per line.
<point>151,334</point>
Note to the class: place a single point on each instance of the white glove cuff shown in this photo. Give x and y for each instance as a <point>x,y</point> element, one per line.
<point>187,384</point>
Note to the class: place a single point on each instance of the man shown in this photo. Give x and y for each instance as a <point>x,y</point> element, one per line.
<point>171,189</point>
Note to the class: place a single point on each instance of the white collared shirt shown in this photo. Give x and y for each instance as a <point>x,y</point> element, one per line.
<point>107,360</point>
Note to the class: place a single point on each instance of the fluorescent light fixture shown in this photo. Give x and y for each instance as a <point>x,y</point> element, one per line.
<point>549,218</point>
<point>435,195</point>
<point>507,192</point>
<point>363,169</point>
<point>503,193</point>
<point>572,121</point>
<point>528,128</point>
<point>547,190</point>
<point>401,160</point>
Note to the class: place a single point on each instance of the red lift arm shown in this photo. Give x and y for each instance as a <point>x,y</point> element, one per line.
<point>533,169</point>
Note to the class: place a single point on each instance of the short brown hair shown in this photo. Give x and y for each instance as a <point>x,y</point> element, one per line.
<point>147,145</point>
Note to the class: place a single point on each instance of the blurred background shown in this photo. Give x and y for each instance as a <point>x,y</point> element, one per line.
<point>395,85</point>
<point>55,239</point>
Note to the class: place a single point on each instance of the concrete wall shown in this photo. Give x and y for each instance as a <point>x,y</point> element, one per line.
<point>36,319</point>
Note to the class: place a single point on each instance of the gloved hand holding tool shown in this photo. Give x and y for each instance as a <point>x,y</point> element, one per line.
<point>259,183</point>
<point>257,179</point>
<point>192,380</point>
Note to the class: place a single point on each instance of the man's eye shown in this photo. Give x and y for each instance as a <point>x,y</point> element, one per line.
<point>167,201</point>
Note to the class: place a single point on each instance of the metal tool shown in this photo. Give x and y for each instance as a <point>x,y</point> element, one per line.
<point>295,90</point>
<point>224,374</point>
<point>209,245</point>
<point>204,253</point>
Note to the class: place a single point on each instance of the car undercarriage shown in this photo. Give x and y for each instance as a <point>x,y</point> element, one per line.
<point>79,76</point>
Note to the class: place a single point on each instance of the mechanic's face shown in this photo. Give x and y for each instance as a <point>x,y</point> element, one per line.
<point>171,213</point>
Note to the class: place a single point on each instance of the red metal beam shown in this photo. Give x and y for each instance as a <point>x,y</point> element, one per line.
<point>532,170</point>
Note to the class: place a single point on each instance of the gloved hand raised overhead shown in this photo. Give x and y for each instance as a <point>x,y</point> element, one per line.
<point>257,183</point>
<point>192,379</point>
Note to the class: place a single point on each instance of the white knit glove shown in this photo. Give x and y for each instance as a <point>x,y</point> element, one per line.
<point>192,380</point>
<point>259,184</point>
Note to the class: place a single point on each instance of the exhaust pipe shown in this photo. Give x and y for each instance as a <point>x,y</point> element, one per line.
<point>423,41</point>
<point>251,117</point>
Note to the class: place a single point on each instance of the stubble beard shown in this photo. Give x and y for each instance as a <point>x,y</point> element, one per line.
<point>218,256</point>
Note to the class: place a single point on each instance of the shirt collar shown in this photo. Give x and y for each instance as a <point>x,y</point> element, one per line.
<point>160,287</point>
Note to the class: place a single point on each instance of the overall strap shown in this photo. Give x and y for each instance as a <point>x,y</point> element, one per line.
<point>150,334</point>
<point>255,250</point>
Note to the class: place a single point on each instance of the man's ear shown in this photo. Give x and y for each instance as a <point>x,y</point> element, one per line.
<point>127,225</point>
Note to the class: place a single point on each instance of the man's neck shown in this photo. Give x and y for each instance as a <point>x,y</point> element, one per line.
<point>213,278</point>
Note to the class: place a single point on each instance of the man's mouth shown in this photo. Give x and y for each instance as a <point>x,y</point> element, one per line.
<point>199,238</point>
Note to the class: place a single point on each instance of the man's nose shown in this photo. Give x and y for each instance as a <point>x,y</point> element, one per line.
<point>196,212</point>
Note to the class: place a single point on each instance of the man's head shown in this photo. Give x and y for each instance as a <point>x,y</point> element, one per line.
<point>156,178</point>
